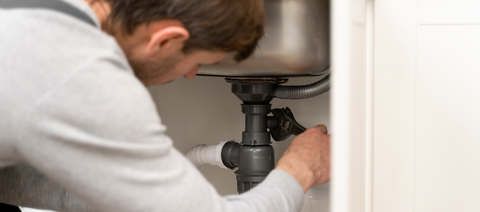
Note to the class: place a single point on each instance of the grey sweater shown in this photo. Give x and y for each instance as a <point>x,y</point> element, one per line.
<point>77,129</point>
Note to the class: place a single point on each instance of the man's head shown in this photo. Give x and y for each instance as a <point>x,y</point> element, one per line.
<point>165,39</point>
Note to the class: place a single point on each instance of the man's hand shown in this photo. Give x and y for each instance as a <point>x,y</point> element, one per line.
<point>308,158</point>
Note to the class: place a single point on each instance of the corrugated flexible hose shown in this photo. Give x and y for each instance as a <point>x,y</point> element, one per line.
<point>303,91</point>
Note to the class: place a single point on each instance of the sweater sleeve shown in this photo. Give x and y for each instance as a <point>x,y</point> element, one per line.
<point>24,186</point>
<point>98,135</point>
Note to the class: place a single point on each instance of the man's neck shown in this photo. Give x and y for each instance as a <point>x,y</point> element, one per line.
<point>102,10</point>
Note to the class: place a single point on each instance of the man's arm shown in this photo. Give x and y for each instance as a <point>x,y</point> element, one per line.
<point>23,185</point>
<point>98,136</point>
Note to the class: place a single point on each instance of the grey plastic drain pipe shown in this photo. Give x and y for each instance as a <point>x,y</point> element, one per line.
<point>303,91</point>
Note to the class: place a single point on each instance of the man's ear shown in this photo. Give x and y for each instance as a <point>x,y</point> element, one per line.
<point>163,38</point>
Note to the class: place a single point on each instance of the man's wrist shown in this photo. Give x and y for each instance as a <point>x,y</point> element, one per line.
<point>300,172</point>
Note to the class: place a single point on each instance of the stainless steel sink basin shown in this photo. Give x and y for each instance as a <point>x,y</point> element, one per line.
<point>296,43</point>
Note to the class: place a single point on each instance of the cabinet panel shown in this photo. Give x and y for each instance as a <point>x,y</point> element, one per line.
<point>447,156</point>
<point>349,105</point>
<point>394,106</point>
<point>449,11</point>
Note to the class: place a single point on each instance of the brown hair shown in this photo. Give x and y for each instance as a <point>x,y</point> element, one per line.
<point>216,25</point>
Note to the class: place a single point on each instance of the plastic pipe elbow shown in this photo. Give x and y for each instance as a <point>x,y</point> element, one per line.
<point>207,154</point>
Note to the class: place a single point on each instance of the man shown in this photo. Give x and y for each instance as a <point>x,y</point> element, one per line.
<point>79,129</point>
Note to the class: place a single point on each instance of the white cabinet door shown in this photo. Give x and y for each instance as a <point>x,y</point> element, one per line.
<point>447,103</point>
<point>426,106</point>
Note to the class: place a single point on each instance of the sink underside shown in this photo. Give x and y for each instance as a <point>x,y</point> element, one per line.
<point>296,43</point>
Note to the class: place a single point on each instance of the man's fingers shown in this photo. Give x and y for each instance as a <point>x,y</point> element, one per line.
<point>322,128</point>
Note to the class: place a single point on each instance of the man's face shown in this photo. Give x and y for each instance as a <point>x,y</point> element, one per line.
<point>166,68</point>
